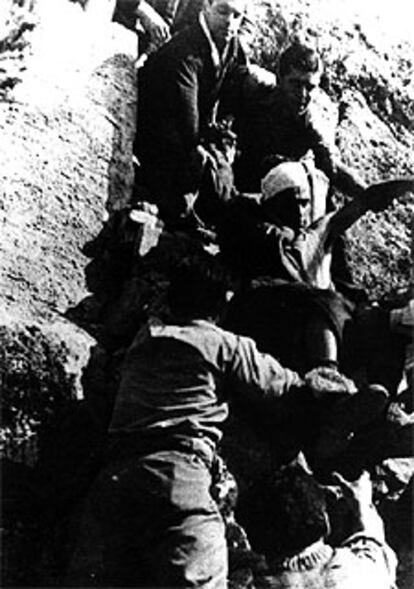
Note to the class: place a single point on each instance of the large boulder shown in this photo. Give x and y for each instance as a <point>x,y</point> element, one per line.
<point>67,120</point>
<point>368,54</point>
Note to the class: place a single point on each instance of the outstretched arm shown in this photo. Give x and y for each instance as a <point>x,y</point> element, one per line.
<point>347,180</point>
<point>374,560</point>
<point>374,198</point>
<point>152,22</point>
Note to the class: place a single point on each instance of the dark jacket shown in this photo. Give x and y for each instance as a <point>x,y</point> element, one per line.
<point>266,126</point>
<point>178,90</point>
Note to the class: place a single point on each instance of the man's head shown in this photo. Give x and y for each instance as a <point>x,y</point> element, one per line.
<point>224,18</point>
<point>199,288</point>
<point>288,512</point>
<point>287,197</point>
<point>299,74</point>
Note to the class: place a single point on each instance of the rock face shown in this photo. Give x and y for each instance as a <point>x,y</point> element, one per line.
<point>67,122</point>
<point>369,78</point>
<point>67,119</point>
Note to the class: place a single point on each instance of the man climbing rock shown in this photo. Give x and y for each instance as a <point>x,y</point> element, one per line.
<point>179,88</point>
<point>161,526</point>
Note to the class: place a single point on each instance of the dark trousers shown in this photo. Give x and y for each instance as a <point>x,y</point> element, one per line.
<point>161,527</point>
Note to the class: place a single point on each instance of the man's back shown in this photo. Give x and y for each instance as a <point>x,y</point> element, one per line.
<point>361,563</point>
<point>268,127</point>
<point>174,377</point>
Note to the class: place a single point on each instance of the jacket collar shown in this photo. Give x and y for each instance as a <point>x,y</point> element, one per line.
<point>217,59</point>
<point>311,557</point>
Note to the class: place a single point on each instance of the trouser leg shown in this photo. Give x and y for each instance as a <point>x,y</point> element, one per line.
<point>192,553</point>
<point>321,343</point>
<point>161,526</point>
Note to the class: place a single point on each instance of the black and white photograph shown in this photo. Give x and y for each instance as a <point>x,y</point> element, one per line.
<point>207,294</point>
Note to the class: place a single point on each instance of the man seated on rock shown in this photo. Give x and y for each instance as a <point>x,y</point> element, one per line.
<point>273,237</point>
<point>160,525</point>
<point>178,89</point>
<point>289,522</point>
<point>287,121</point>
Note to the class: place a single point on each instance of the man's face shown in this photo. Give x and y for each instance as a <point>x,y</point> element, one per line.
<point>291,208</point>
<point>298,87</point>
<point>224,18</point>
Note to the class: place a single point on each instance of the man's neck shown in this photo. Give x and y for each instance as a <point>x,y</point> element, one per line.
<point>218,53</point>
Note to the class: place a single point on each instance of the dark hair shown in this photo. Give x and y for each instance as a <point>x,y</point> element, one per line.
<point>198,287</point>
<point>285,513</point>
<point>300,57</point>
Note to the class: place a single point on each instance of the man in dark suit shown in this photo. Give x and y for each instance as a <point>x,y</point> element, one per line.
<point>179,89</point>
<point>287,122</point>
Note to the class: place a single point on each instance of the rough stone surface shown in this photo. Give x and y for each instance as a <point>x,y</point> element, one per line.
<point>68,306</point>
<point>368,54</point>
<point>67,121</point>
<point>67,126</point>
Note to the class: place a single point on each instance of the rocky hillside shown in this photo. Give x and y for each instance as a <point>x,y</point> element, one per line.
<point>67,104</point>
<point>368,52</point>
<point>67,121</point>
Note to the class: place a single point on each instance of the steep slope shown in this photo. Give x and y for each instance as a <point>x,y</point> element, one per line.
<point>368,52</point>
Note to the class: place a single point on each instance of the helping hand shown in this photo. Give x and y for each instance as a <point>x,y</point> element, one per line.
<point>153,23</point>
<point>357,493</point>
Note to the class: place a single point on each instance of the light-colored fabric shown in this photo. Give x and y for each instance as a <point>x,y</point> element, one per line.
<point>362,562</point>
<point>215,55</point>
<point>311,184</point>
<point>313,251</point>
<point>284,176</point>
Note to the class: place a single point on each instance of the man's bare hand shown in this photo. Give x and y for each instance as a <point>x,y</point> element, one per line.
<point>357,493</point>
<point>153,23</point>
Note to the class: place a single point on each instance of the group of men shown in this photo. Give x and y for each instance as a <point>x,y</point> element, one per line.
<point>160,524</point>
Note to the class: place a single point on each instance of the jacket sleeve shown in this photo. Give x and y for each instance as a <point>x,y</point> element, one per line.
<point>187,88</point>
<point>259,376</point>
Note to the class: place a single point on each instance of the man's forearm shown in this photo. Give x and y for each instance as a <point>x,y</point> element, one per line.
<point>368,521</point>
<point>259,376</point>
<point>347,180</point>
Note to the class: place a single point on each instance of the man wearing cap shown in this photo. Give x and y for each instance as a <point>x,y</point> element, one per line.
<point>276,236</point>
